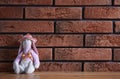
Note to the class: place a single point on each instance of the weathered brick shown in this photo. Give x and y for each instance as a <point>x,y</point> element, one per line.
<point>103,40</point>
<point>116,2</point>
<point>26,26</point>
<point>83,26</point>
<point>9,40</point>
<point>116,54</point>
<point>102,13</point>
<point>83,54</point>
<point>53,13</point>
<point>11,54</point>
<point>44,40</point>
<point>47,66</point>
<point>102,67</point>
<point>8,54</point>
<point>60,66</point>
<point>117,26</point>
<point>11,12</point>
<point>45,53</point>
<point>6,67</point>
<point>83,2</point>
<point>26,2</point>
<point>60,40</point>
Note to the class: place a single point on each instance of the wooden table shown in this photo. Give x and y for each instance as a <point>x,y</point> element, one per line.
<point>62,75</point>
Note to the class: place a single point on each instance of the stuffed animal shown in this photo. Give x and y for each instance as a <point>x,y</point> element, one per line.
<point>28,59</point>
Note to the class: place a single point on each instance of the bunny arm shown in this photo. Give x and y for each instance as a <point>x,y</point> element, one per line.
<point>18,58</point>
<point>35,59</point>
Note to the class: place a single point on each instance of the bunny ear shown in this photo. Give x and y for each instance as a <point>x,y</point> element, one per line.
<point>20,49</point>
<point>34,48</point>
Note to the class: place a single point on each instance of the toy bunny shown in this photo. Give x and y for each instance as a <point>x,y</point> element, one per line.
<point>27,60</point>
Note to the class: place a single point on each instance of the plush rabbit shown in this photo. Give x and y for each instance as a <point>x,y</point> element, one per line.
<point>28,59</point>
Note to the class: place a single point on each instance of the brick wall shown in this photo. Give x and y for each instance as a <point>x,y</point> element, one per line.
<point>73,35</point>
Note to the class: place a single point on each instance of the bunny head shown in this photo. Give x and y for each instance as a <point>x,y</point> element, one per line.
<point>27,41</point>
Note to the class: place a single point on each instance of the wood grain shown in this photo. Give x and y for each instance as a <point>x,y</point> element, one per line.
<point>62,75</point>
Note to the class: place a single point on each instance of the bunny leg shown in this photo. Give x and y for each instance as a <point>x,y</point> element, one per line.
<point>30,68</point>
<point>17,68</point>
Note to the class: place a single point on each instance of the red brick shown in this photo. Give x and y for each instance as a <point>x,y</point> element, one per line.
<point>53,13</point>
<point>116,2</point>
<point>45,53</point>
<point>44,40</point>
<point>83,2</point>
<point>103,40</point>
<point>11,54</point>
<point>117,54</point>
<point>6,67</point>
<point>83,54</point>
<point>102,13</point>
<point>26,26</point>
<point>26,2</point>
<point>47,66</point>
<point>102,67</point>
<point>11,12</point>
<point>8,54</point>
<point>9,40</point>
<point>117,26</point>
<point>60,66</point>
<point>83,26</point>
<point>60,40</point>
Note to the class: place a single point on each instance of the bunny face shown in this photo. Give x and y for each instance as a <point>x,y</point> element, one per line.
<point>27,44</point>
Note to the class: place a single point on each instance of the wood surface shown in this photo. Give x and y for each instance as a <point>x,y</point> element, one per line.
<point>62,75</point>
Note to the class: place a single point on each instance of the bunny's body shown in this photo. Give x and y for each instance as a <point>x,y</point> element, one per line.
<point>27,60</point>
